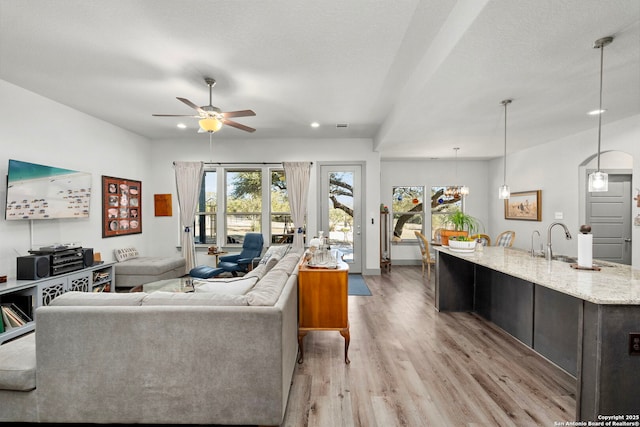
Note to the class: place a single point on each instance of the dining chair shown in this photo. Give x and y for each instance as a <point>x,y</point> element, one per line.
<point>427,259</point>
<point>484,239</point>
<point>506,238</point>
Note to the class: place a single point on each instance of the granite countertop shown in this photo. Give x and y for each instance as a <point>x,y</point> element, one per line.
<point>613,284</point>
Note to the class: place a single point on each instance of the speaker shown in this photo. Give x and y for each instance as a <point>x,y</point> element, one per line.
<point>33,267</point>
<point>87,256</point>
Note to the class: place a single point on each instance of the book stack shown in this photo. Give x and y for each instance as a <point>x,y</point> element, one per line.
<point>100,275</point>
<point>12,317</point>
<point>104,287</point>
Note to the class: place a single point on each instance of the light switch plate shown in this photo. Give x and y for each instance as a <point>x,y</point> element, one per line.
<point>559,215</point>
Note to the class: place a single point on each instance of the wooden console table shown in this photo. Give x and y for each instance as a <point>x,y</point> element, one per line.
<point>322,303</point>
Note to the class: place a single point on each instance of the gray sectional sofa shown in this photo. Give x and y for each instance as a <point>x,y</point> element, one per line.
<point>219,355</point>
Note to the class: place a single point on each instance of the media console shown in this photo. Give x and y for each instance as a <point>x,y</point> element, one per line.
<point>31,294</point>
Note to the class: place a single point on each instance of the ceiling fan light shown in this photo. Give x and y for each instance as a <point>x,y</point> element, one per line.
<point>598,181</point>
<point>210,124</point>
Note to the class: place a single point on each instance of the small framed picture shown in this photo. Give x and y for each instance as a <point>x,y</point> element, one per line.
<point>525,205</point>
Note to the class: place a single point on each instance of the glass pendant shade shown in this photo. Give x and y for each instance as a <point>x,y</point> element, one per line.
<point>504,192</point>
<point>457,190</point>
<point>598,181</point>
<point>210,124</point>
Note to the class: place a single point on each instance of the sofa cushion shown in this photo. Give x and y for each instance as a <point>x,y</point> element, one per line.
<point>98,298</point>
<point>194,299</point>
<point>148,265</point>
<point>279,251</point>
<point>126,253</point>
<point>228,286</point>
<point>258,272</point>
<point>288,263</point>
<point>18,364</point>
<point>267,291</point>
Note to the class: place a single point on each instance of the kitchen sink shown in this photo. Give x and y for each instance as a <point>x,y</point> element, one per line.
<point>565,258</point>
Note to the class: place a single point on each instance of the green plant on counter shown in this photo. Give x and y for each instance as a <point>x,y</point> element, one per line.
<point>462,221</point>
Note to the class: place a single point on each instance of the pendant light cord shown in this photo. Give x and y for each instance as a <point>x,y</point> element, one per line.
<point>504,178</point>
<point>600,108</point>
<point>456,150</point>
<point>504,169</point>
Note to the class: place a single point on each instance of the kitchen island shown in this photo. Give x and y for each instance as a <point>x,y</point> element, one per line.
<point>581,320</point>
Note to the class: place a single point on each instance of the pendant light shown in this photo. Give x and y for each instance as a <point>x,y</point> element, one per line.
<point>503,191</point>
<point>598,180</point>
<point>457,190</point>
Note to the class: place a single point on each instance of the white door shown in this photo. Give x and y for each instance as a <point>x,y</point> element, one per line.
<point>341,212</point>
<point>609,214</point>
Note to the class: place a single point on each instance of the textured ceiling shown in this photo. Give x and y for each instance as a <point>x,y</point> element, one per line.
<point>418,77</point>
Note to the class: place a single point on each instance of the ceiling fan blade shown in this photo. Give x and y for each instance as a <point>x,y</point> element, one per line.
<point>174,115</point>
<point>238,125</point>
<point>241,113</point>
<point>192,105</point>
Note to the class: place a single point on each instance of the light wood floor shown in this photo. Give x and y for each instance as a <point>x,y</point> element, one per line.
<point>413,366</point>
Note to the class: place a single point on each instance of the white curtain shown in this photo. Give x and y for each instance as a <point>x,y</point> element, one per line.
<point>297,175</point>
<point>188,182</point>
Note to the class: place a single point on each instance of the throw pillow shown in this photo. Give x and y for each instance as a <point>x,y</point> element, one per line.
<point>239,286</point>
<point>126,253</point>
<point>280,251</point>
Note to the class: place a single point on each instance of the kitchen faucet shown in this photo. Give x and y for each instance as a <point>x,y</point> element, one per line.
<point>533,252</point>
<point>566,233</point>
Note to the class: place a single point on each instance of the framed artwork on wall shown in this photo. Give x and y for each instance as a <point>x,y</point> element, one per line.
<point>525,205</point>
<point>162,204</point>
<point>121,206</point>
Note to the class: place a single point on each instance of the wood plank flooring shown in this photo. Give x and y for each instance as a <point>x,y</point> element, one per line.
<point>413,366</point>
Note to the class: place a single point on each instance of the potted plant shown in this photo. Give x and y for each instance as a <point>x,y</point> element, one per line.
<point>462,225</point>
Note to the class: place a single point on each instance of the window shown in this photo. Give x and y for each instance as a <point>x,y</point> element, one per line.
<point>408,212</point>
<point>281,225</point>
<point>244,193</point>
<point>443,203</point>
<point>205,220</point>
<point>243,202</point>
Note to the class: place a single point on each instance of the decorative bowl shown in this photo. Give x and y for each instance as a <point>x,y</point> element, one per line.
<point>465,246</point>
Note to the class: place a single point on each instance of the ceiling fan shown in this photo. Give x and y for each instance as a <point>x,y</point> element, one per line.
<point>211,118</point>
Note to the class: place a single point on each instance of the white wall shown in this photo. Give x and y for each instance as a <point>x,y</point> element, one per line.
<point>430,173</point>
<point>164,234</point>
<point>38,130</point>
<point>554,169</point>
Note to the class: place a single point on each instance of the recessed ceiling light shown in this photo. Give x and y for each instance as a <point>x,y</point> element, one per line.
<point>181,125</point>
<point>596,112</point>
<point>315,125</point>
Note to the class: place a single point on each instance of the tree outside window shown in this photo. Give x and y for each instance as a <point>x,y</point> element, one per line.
<point>442,205</point>
<point>244,203</point>
<point>281,224</point>
<point>408,212</point>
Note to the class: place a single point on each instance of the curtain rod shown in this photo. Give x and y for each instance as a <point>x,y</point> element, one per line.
<point>242,163</point>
